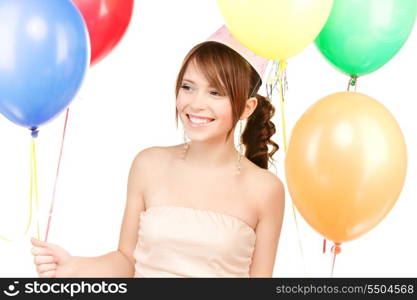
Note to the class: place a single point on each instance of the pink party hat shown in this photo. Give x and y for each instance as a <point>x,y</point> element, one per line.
<point>224,36</point>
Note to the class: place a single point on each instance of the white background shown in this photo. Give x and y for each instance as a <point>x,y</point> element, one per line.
<point>126,104</point>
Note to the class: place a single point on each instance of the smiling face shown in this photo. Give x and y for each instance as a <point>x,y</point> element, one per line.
<point>205,111</point>
<point>212,91</point>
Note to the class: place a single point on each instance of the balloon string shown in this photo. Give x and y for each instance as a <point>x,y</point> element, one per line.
<point>300,245</point>
<point>282,66</point>
<point>270,87</point>
<point>324,245</point>
<point>353,81</point>
<point>4,238</point>
<point>333,262</point>
<point>56,176</point>
<point>282,80</point>
<point>335,250</point>
<point>30,189</point>
<point>278,75</point>
<point>33,187</point>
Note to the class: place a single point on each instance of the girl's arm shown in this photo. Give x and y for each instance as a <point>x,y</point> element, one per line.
<point>53,261</point>
<point>268,229</point>
<point>120,263</point>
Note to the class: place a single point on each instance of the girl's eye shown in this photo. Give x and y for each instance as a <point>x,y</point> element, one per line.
<point>215,93</point>
<point>186,87</point>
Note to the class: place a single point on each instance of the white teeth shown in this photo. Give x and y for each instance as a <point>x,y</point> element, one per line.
<point>199,120</point>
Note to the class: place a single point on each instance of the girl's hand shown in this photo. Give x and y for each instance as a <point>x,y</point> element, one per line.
<point>52,260</point>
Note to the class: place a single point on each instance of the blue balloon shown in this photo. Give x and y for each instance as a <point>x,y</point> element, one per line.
<point>44,55</point>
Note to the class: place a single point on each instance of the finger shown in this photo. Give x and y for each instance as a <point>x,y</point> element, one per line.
<point>51,247</point>
<point>44,259</point>
<point>41,251</point>
<point>46,267</point>
<point>47,274</point>
<point>39,243</point>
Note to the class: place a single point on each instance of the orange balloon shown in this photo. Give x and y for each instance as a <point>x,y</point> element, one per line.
<point>345,165</point>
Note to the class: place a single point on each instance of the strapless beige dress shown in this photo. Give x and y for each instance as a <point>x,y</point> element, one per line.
<point>176,241</point>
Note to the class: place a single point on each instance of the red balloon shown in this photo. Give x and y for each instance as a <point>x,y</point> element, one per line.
<point>107,21</point>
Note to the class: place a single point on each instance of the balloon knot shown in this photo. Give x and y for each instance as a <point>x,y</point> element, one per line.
<point>353,81</point>
<point>34,132</point>
<point>282,64</point>
<point>336,249</point>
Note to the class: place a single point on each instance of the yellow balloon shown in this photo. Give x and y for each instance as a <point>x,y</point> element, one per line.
<point>275,29</point>
<point>345,165</point>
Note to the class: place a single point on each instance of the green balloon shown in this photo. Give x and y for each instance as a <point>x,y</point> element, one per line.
<point>360,36</point>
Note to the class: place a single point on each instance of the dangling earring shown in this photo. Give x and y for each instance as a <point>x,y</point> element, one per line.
<point>185,147</point>
<point>240,149</point>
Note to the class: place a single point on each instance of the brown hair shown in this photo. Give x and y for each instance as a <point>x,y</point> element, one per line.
<point>232,75</point>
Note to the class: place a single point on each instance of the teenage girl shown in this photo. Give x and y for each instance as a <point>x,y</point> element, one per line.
<point>201,208</point>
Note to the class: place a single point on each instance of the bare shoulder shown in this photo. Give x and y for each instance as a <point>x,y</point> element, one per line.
<point>147,166</point>
<point>268,189</point>
<point>155,156</point>
<point>149,154</point>
<point>268,193</point>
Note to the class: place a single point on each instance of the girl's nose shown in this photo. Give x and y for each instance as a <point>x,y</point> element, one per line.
<point>198,101</point>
